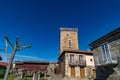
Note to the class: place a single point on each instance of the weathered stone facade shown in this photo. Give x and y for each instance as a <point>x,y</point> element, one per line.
<point>106,50</point>
<point>68,39</point>
<point>86,64</point>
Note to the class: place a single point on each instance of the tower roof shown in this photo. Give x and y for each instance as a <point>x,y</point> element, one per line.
<point>68,29</point>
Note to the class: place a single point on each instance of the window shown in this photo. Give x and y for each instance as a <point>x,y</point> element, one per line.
<point>91,60</point>
<point>71,58</point>
<point>69,42</point>
<point>94,72</point>
<point>69,48</point>
<point>106,52</point>
<point>74,34</point>
<point>67,34</point>
<point>80,57</point>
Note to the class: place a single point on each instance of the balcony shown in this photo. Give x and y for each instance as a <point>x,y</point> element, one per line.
<point>81,63</point>
<point>72,63</point>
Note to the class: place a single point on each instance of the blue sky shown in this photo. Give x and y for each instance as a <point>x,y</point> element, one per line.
<point>38,22</point>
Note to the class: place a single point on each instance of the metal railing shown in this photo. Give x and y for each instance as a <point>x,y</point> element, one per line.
<point>77,62</point>
<point>72,63</point>
<point>81,63</point>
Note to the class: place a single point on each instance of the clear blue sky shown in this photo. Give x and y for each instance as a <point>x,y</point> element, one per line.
<point>38,22</point>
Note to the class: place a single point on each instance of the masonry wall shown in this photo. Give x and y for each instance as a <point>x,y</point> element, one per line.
<point>65,36</point>
<point>62,65</point>
<point>89,60</point>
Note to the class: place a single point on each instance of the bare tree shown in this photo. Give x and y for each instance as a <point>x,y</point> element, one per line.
<point>16,47</point>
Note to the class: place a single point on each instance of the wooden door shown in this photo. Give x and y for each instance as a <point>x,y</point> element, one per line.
<point>94,72</point>
<point>72,71</point>
<point>82,72</point>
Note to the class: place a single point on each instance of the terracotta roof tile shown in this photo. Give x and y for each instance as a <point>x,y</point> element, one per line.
<point>3,64</point>
<point>77,51</point>
<point>54,63</point>
<point>21,62</point>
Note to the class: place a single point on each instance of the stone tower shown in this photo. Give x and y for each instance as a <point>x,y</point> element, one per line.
<point>68,39</point>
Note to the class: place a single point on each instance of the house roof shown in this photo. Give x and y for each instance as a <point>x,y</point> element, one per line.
<point>3,64</point>
<point>76,51</point>
<point>54,63</point>
<point>32,62</point>
<point>116,31</point>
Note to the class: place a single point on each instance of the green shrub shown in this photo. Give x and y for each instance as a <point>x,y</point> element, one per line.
<point>29,75</point>
<point>27,78</point>
<point>11,77</point>
<point>2,72</point>
<point>42,79</point>
<point>38,72</point>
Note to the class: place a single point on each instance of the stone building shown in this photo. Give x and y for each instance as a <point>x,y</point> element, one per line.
<point>106,50</point>
<point>74,64</point>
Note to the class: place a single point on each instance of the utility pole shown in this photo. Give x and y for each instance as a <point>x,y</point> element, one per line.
<point>16,47</point>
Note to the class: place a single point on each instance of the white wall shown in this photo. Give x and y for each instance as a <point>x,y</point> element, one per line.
<point>88,60</point>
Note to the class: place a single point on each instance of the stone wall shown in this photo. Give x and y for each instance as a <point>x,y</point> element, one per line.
<point>62,65</point>
<point>65,36</point>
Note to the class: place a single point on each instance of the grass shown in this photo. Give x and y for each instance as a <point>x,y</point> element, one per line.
<point>27,78</point>
<point>10,77</point>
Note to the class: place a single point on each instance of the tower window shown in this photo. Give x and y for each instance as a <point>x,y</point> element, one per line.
<point>69,48</point>
<point>67,34</point>
<point>69,42</point>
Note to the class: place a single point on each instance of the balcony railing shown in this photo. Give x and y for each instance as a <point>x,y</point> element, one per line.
<point>72,63</point>
<point>79,63</point>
